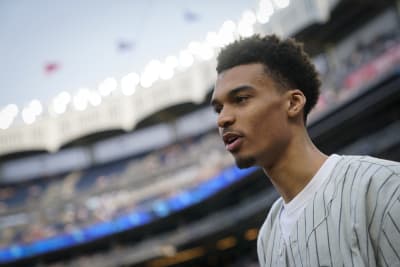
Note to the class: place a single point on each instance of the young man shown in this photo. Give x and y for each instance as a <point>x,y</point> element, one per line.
<point>333,211</point>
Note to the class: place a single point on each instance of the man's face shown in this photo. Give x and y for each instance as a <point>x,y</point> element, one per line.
<point>252,117</point>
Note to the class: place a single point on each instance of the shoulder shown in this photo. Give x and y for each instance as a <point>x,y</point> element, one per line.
<point>264,235</point>
<point>367,169</point>
<point>372,161</point>
<point>372,183</point>
<point>272,217</point>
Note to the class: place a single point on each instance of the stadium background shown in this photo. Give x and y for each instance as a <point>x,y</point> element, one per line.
<point>142,178</point>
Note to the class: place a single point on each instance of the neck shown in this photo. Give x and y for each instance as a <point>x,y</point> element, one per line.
<point>296,167</point>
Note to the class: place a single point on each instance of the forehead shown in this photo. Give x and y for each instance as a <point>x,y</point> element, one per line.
<point>250,75</point>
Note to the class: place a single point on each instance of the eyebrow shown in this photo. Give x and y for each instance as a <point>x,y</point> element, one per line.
<point>234,92</point>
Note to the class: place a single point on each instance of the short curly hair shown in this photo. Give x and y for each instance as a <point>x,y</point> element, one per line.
<point>284,59</point>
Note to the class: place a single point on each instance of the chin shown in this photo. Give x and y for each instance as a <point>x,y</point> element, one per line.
<point>244,163</point>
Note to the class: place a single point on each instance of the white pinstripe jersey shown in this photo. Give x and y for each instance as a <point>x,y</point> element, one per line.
<point>353,221</point>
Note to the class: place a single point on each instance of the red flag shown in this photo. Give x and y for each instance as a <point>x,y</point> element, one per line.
<point>51,67</point>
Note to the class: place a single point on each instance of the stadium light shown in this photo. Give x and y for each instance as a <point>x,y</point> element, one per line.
<point>194,48</point>
<point>36,107</point>
<point>28,115</point>
<point>212,39</point>
<point>80,100</point>
<point>107,86</point>
<point>226,33</point>
<point>65,97</point>
<point>5,121</point>
<point>249,17</point>
<point>60,103</point>
<point>12,110</point>
<point>129,83</point>
<point>146,80</point>
<point>185,59</point>
<point>265,11</point>
<point>166,72</point>
<point>172,62</point>
<point>202,51</point>
<point>7,116</point>
<point>59,109</point>
<point>281,3</point>
<point>245,29</point>
<point>94,98</point>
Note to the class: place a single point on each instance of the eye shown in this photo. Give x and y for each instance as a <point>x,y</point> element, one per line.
<point>241,98</point>
<point>217,109</point>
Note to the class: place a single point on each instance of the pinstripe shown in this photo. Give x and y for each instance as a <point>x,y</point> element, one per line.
<point>298,247</point>
<point>273,245</point>
<point>367,230</point>
<point>341,206</point>
<point>394,223</point>
<point>385,209</point>
<point>315,232</point>
<point>390,244</point>
<point>376,207</point>
<point>383,257</point>
<point>359,203</point>
<point>291,253</point>
<point>376,204</point>
<point>327,230</point>
<point>351,202</point>
<point>354,206</point>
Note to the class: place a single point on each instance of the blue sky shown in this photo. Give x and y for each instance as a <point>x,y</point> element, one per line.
<point>82,38</point>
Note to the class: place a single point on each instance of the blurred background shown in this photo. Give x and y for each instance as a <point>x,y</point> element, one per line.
<point>109,152</point>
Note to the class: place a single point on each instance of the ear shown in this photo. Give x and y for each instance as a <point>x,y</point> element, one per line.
<point>296,102</point>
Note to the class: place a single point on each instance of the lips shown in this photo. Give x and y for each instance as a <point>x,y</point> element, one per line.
<point>232,141</point>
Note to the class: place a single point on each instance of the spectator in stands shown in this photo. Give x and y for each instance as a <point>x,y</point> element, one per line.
<point>334,210</point>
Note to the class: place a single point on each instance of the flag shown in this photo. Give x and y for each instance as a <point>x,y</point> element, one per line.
<point>51,68</point>
<point>190,16</point>
<point>125,45</point>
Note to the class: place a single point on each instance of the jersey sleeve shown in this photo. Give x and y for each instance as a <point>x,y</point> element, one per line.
<point>388,253</point>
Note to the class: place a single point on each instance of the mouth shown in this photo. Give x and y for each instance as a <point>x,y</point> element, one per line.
<point>232,141</point>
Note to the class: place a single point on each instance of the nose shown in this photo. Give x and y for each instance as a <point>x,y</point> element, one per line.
<point>225,120</point>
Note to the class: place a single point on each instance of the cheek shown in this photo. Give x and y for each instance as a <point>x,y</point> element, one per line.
<point>270,124</point>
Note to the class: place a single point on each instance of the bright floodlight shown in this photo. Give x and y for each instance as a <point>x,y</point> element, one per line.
<point>249,17</point>
<point>265,11</point>
<point>201,51</point>
<point>59,108</point>
<point>64,97</point>
<point>172,62</point>
<point>206,52</point>
<point>36,107</point>
<point>94,98</point>
<point>282,3</point>
<point>194,47</point>
<point>166,72</point>
<point>226,33</point>
<point>245,29</point>
<point>11,110</point>
<point>129,83</point>
<point>185,58</point>
<point>5,121</point>
<point>28,115</point>
<point>153,66</point>
<point>60,103</point>
<point>229,26</point>
<point>212,39</point>
<point>81,99</point>
<point>107,86</point>
<point>7,116</point>
<point>146,80</point>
